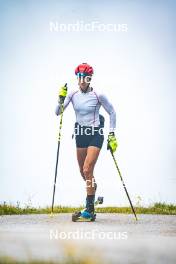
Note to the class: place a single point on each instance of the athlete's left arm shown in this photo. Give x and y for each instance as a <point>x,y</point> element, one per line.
<point>109,109</point>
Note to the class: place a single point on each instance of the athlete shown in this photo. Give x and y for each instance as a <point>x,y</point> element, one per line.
<point>89,130</point>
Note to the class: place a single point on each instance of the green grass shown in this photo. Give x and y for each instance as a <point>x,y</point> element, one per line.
<point>156,208</point>
<point>71,255</point>
<point>67,260</point>
<point>9,260</point>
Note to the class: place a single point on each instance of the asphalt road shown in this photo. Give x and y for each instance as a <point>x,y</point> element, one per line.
<point>113,238</point>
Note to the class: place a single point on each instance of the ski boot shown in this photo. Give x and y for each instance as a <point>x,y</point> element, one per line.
<point>99,200</point>
<point>85,215</point>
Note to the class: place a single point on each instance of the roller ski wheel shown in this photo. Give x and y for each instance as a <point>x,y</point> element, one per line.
<point>83,216</point>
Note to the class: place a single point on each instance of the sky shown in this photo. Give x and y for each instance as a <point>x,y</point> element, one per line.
<point>135,68</point>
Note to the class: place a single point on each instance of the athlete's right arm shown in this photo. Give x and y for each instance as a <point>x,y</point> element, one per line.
<point>66,103</point>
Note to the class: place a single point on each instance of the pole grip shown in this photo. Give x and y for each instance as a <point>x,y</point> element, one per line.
<point>62,98</point>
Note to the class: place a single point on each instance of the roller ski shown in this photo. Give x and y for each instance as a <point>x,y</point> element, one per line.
<point>87,215</point>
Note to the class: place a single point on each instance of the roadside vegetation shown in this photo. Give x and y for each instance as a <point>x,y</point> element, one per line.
<point>156,208</point>
<point>68,260</point>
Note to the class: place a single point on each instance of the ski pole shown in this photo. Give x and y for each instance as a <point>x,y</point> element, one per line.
<point>62,98</point>
<point>123,183</point>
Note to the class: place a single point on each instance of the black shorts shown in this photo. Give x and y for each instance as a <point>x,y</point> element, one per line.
<point>88,136</point>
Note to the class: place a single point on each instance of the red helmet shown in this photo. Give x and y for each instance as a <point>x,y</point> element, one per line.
<point>84,69</point>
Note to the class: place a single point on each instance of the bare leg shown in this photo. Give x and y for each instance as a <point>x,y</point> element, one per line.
<point>81,156</point>
<point>88,168</point>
